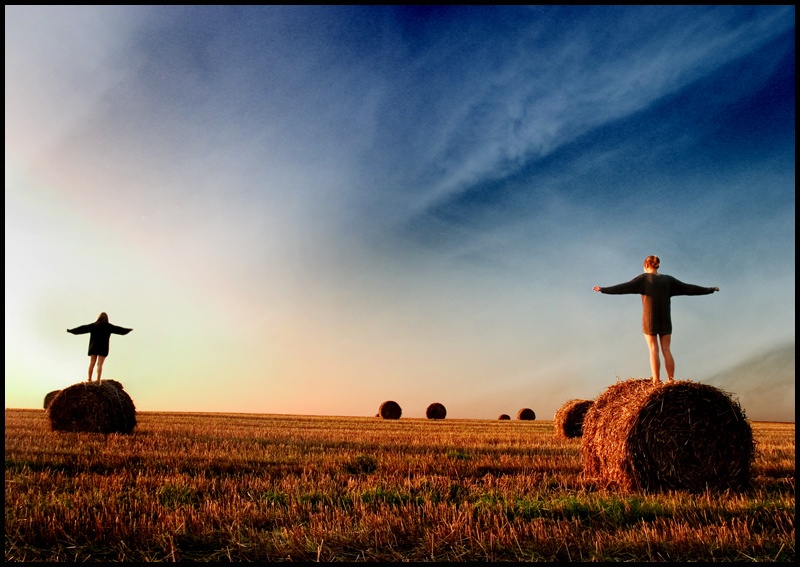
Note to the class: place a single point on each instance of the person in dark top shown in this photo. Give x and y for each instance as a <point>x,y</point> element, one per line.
<point>656,290</point>
<point>99,336</point>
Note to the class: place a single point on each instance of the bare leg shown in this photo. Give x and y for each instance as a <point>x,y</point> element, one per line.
<point>669,362</point>
<point>655,361</point>
<point>100,361</point>
<point>92,360</point>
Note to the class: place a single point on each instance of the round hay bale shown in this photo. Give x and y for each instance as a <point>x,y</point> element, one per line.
<point>504,416</point>
<point>48,399</point>
<point>568,420</point>
<point>93,407</point>
<point>436,411</point>
<point>526,414</point>
<point>679,435</point>
<point>390,410</point>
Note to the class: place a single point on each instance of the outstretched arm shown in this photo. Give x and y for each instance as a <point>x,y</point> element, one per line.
<point>633,286</point>
<point>119,330</point>
<point>80,330</point>
<point>691,289</point>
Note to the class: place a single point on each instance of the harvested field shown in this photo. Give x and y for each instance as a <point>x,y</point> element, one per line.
<point>259,488</point>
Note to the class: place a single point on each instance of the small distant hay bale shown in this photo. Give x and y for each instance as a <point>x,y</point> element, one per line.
<point>48,399</point>
<point>504,416</point>
<point>436,411</point>
<point>526,414</point>
<point>93,407</point>
<point>568,420</point>
<point>679,435</point>
<point>390,410</point>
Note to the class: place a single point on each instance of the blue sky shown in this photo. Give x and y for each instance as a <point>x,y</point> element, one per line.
<point>316,209</point>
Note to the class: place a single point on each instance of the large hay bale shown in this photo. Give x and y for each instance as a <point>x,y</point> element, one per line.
<point>679,435</point>
<point>93,407</point>
<point>390,410</point>
<point>526,414</point>
<point>48,399</point>
<point>568,419</point>
<point>436,411</point>
<point>504,416</point>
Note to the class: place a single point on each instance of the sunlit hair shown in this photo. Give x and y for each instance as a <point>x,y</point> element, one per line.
<point>102,318</point>
<point>652,262</point>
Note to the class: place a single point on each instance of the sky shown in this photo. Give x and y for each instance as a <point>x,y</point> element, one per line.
<point>315,209</point>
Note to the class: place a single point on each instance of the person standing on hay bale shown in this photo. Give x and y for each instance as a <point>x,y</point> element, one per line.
<point>99,337</point>
<point>656,290</point>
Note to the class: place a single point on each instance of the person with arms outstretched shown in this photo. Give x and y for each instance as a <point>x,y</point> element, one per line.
<point>99,337</point>
<point>656,290</point>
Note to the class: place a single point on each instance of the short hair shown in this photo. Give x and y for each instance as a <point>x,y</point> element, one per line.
<point>652,262</point>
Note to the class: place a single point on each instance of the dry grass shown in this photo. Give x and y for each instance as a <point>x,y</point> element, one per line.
<point>243,487</point>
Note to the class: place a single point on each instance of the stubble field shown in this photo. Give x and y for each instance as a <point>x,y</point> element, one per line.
<point>248,487</point>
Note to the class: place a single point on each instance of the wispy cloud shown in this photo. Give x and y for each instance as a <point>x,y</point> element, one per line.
<point>482,115</point>
<point>391,196</point>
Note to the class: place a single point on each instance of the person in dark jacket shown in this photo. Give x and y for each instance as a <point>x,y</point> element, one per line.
<point>99,336</point>
<point>656,290</point>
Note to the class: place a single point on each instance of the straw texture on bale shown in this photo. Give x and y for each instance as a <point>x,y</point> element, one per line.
<point>436,411</point>
<point>526,414</point>
<point>568,420</point>
<point>93,407</point>
<point>679,435</point>
<point>504,416</point>
<point>390,410</point>
<point>48,399</point>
